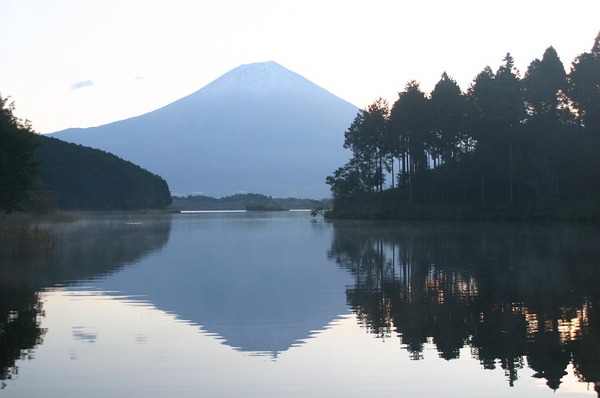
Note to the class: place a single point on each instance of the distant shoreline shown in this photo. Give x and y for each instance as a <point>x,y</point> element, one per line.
<point>239,211</point>
<point>244,202</point>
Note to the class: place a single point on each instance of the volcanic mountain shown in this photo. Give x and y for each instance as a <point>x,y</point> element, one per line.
<point>259,128</point>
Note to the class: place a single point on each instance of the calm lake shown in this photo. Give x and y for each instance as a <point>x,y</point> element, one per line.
<point>280,305</point>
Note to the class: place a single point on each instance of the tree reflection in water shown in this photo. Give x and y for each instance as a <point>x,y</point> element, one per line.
<point>20,330</point>
<point>96,244</point>
<point>517,295</point>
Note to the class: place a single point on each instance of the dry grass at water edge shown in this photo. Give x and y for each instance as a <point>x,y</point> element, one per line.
<point>19,237</point>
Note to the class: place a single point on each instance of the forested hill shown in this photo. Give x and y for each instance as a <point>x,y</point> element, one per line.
<point>510,146</point>
<point>82,178</point>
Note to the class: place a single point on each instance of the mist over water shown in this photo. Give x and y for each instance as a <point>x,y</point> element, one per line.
<point>280,304</point>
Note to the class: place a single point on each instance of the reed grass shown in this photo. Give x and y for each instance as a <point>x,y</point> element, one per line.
<point>19,237</point>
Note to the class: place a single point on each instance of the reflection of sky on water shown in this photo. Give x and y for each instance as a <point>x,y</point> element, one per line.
<point>197,316</point>
<point>182,360</point>
<point>263,283</point>
<point>79,333</point>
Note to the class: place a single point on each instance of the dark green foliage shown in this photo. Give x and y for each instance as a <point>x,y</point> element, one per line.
<point>508,147</point>
<point>371,142</point>
<point>547,125</point>
<point>18,164</point>
<point>496,111</point>
<point>368,140</point>
<point>544,81</point>
<point>447,111</point>
<point>409,126</point>
<point>247,201</point>
<point>83,178</point>
<point>265,207</point>
<point>584,87</point>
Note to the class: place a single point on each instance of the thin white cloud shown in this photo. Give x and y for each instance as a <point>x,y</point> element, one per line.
<point>82,84</point>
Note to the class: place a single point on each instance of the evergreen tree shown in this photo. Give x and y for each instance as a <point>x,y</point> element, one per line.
<point>409,125</point>
<point>507,143</point>
<point>584,91</point>
<point>18,164</point>
<point>584,88</point>
<point>497,110</point>
<point>544,84</point>
<point>367,139</point>
<point>545,140</point>
<point>447,105</point>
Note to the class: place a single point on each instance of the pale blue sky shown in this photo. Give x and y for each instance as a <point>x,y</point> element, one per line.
<point>81,63</point>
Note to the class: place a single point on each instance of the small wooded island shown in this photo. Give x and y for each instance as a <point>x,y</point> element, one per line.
<point>510,147</point>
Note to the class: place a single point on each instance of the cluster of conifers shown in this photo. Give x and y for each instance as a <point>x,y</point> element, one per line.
<point>508,140</point>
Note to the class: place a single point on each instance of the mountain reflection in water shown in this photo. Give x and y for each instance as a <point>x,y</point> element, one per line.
<point>260,281</point>
<point>517,295</point>
<point>521,299</point>
<point>93,245</point>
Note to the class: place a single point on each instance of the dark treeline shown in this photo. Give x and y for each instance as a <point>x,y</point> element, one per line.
<point>520,143</point>
<point>516,295</point>
<point>243,201</point>
<point>18,164</point>
<point>39,173</point>
<point>82,178</point>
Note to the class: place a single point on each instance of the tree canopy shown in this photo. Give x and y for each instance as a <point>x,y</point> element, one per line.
<point>18,161</point>
<point>40,173</point>
<point>507,141</point>
<point>82,178</point>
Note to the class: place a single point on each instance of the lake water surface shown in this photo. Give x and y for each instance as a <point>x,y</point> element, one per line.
<point>283,305</point>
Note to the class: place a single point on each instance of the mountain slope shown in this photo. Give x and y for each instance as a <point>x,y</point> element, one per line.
<point>258,128</point>
<point>82,178</point>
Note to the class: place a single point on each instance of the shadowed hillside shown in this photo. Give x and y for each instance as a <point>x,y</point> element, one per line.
<point>81,178</point>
